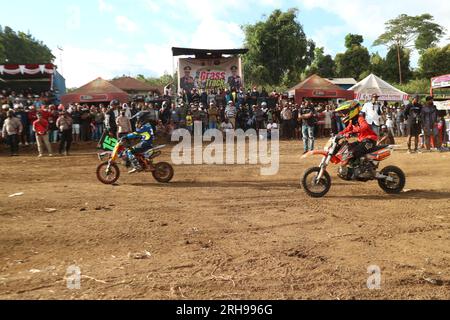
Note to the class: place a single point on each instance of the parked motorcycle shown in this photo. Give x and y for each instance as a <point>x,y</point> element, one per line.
<point>108,171</point>
<point>316,181</point>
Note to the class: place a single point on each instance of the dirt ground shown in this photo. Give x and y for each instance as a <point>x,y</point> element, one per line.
<point>221,232</point>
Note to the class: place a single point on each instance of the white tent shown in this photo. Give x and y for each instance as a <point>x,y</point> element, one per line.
<point>372,84</point>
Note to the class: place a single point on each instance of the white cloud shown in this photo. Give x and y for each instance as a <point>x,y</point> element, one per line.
<point>156,59</point>
<point>368,17</point>
<point>152,5</point>
<point>103,6</point>
<point>127,25</point>
<point>81,65</point>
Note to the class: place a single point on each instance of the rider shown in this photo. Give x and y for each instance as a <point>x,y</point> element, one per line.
<point>144,130</point>
<point>357,124</point>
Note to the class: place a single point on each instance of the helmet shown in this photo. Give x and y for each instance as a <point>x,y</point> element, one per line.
<point>115,103</point>
<point>350,110</point>
<point>143,118</point>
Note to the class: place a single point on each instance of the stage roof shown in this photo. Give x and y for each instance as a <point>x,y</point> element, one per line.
<point>206,53</point>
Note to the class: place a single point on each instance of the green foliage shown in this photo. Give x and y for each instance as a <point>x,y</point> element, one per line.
<point>353,40</point>
<point>377,64</point>
<point>390,70</point>
<point>323,65</point>
<point>162,81</point>
<point>20,47</point>
<point>278,50</point>
<point>419,86</point>
<point>405,31</point>
<point>355,62</point>
<point>435,62</point>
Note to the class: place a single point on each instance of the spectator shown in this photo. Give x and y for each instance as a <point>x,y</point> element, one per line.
<point>230,113</point>
<point>308,116</point>
<point>226,126</point>
<point>98,117</point>
<point>286,116</point>
<point>123,125</point>
<point>64,124</point>
<point>11,131</point>
<point>429,118</point>
<point>213,113</point>
<point>412,116</point>
<point>23,116</point>
<point>373,113</point>
<point>390,124</point>
<point>41,128</point>
<point>85,124</point>
<point>271,126</point>
<point>32,117</point>
<point>76,123</point>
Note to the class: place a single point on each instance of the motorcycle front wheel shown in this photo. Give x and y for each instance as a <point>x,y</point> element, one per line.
<point>313,188</point>
<point>163,172</point>
<point>106,176</point>
<point>392,187</point>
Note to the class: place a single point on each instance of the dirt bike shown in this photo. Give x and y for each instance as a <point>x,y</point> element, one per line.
<point>108,172</point>
<point>316,181</point>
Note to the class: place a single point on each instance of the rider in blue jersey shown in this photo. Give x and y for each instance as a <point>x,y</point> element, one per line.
<point>144,131</point>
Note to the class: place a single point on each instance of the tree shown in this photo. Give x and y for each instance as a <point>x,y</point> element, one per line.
<point>323,65</point>
<point>353,40</point>
<point>355,61</point>
<point>377,64</point>
<point>278,49</point>
<point>419,32</point>
<point>390,69</point>
<point>20,47</point>
<point>435,62</point>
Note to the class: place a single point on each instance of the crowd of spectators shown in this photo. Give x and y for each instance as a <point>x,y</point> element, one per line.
<point>43,123</point>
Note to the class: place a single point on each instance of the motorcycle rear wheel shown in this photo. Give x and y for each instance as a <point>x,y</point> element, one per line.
<point>110,177</point>
<point>308,183</point>
<point>392,187</point>
<point>163,172</point>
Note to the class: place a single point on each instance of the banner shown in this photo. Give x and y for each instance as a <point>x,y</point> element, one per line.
<point>210,74</point>
<point>441,82</point>
<point>442,105</point>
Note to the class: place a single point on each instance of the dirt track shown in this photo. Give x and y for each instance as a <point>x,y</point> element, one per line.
<point>222,232</point>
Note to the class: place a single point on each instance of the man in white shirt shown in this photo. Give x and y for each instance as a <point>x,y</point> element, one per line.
<point>271,126</point>
<point>373,113</point>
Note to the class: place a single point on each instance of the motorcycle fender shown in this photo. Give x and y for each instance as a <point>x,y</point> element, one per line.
<point>315,153</point>
<point>104,155</point>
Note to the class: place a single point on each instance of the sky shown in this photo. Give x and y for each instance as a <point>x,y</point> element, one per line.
<point>108,38</point>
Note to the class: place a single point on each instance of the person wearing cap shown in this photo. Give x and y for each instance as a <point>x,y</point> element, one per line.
<point>11,131</point>
<point>41,128</point>
<point>429,119</point>
<point>412,116</point>
<point>373,113</point>
<point>187,82</point>
<point>234,81</point>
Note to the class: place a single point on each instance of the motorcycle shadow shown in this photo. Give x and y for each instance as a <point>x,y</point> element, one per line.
<point>409,194</point>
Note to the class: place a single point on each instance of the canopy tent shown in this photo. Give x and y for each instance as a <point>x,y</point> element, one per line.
<point>316,87</point>
<point>373,84</point>
<point>96,91</point>
<point>440,82</point>
<point>134,86</point>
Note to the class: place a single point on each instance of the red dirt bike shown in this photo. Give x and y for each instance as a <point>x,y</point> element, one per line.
<point>316,181</point>
<point>108,172</point>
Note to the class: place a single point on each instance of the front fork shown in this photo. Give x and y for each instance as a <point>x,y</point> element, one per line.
<point>323,167</point>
